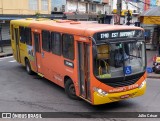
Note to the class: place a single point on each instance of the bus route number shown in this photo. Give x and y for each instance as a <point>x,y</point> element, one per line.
<point>104,35</point>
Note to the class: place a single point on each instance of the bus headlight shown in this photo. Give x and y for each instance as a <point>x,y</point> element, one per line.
<point>143,83</point>
<point>100,91</point>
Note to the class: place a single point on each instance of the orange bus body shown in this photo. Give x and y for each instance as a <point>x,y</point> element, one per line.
<point>59,69</point>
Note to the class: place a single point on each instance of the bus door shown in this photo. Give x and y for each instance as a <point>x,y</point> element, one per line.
<point>84,69</point>
<point>37,51</point>
<point>17,47</point>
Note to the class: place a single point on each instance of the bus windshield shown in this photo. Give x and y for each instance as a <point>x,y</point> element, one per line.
<point>119,59</point>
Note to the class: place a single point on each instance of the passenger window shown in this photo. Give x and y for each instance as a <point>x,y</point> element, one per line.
<point>68,46</point>
<point>22,34</point>
<point>37,42</point>
<point>25,35</point>
<point>28,36</point>
<point>56,43</point>
<point>46,40</point>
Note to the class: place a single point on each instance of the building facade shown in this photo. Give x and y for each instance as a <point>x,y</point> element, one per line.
<point>25,7</point>
<point>131,5</point>
<point>86,9</point>
<point>87,6</point>
<point>58,5</point>
<point>80,6</point>
<point>15,9</point>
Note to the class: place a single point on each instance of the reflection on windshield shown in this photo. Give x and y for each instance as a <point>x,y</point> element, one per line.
<point>120,59</point>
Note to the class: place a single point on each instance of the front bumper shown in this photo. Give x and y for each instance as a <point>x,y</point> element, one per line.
<point>113,97</point>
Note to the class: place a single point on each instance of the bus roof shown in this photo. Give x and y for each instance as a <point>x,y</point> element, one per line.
<point>72,27</point>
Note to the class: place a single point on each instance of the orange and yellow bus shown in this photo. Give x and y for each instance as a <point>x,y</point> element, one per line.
<point>96,62</point>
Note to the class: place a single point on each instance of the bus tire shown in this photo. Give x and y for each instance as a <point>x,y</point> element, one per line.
<point>70,89</point>
<point>28,67</point>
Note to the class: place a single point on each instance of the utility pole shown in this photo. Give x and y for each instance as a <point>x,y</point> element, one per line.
<point>119,8</point>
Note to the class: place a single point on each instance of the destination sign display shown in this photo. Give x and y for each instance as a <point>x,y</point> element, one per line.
<point>120,34</point>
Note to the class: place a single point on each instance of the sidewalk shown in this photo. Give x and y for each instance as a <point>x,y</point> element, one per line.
<point>150,55</point>
<point>7,51</point>
<point>153,75</point>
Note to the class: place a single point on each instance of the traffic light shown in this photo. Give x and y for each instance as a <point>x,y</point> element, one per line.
<point>129,17</point>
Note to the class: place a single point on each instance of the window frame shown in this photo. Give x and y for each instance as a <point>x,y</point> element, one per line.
<point>22,37</point>
<point>25,35</point>
<point>37,43</point>
<point>33,4</point>
<point>44,5</point>
<point>64,55</point>
<point>92,7</point>
<point>29,36</point>
<point>60,43</point>
<point>46,48</point>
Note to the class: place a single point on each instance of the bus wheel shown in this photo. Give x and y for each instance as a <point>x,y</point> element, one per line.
<point>70,89</point>
<point>28,67</point>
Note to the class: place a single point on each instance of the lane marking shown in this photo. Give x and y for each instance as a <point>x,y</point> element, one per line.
<point>12,61</point>
<point>6,57</point>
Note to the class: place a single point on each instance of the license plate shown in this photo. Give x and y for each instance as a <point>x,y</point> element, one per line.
<point>124,96</point>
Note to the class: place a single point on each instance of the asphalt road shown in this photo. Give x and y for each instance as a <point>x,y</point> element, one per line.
<point>20,92</point>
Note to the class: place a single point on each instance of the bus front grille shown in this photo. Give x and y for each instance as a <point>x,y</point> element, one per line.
<point>122,83</point>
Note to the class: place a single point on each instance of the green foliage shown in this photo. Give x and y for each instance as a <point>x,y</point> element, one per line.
<point>38,14</point>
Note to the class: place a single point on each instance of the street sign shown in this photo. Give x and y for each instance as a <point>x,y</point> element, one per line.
<point>127,70</point>
<point>149,69</point>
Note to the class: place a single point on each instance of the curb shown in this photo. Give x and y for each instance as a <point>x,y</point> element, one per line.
<point>153,77</point>
<point>5,55</point>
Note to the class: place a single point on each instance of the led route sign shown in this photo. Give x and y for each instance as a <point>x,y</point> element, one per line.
<point>119,34</point>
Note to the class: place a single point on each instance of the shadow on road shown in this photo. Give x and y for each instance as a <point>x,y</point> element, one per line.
<point>115,106</point>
